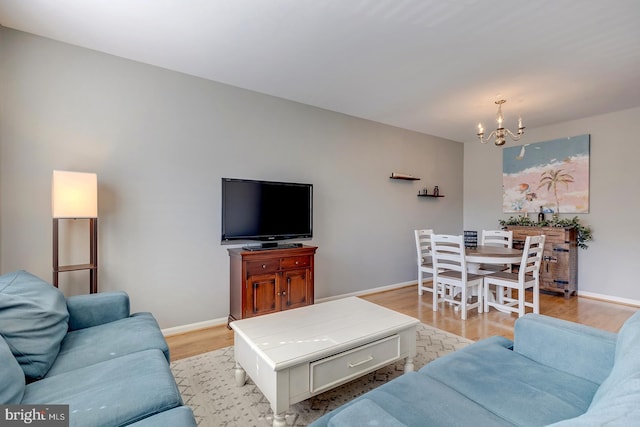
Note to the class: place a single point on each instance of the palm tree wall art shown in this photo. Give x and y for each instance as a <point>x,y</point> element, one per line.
<point>553,175</point>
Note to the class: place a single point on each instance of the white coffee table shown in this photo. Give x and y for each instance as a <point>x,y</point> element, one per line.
<point>295,354</point>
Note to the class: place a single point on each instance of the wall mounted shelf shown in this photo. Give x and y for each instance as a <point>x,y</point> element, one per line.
<point>430,195</point>
<point>403,176</point>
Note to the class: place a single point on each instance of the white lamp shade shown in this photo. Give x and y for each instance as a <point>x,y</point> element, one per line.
<point>74,195</point>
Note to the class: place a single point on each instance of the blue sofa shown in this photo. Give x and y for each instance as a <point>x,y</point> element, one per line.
<point>554,373</point>
<point>88,352</point>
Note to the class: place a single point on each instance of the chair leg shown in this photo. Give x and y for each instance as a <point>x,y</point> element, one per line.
<point>480,298</point>
<point>485,300</point>
<point>419,282</point>
<point>536,297</point>
<point>435,295</point>
<point>463,303</point>
<point>521,301</point>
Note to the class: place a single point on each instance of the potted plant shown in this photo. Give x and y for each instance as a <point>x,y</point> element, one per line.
<point>583,232</point>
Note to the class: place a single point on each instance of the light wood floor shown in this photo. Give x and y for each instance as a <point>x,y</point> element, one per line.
<point>599,314</point>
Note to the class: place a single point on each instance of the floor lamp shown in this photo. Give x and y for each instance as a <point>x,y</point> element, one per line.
<point>74,195</point>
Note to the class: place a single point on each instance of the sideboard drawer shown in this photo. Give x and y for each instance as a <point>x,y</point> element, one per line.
<point>295,261</point>
<point>259,267</point>
<point>335,370</point>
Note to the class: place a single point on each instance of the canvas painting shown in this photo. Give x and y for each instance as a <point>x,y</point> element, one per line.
<point>553,175</point>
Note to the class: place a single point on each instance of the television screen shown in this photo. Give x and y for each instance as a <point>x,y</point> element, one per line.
<point>266,210</point>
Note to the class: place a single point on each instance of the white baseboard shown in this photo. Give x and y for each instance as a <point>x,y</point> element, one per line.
<point>194,326</point>
<point>609,298</point>
<point>223,320</point>
<point>368,291</point>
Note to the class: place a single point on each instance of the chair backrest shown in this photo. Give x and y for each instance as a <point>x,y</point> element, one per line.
<point>423,245</point>
<point>448,253</point>
<point>531,257</point>
<point>497,238</point>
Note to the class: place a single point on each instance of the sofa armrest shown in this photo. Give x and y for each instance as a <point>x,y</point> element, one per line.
<point>96,309</point>
<point>570,347</point>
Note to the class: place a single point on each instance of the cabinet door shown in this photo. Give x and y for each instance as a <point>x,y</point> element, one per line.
<point>548,269</point>
<point>560,268</point>
<point>262,295</point>
<point>296,288</point>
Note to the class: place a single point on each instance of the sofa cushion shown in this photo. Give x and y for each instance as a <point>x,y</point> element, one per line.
<point>90,310</point>
<point>617,400</point>
<point>33,320</point>
<point>514,387</point>
<point>11,376</point>
<point>417,400</point>
<point>578,349</point>
<point>116,392</point>
<point>627,362</point>
<point>96,344</point>
<point>628,341</point>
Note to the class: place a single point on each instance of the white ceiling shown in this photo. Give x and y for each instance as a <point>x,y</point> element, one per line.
<point>433,66</point>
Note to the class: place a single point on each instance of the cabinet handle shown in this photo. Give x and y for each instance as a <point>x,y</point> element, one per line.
<point>353,365</point>
<point>264,266</point>
<point>284,294</point>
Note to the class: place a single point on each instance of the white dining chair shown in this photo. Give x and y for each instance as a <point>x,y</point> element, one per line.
<point>527,277</point>
<point>425,264</point>
<point>497,238</point>
<point>450,276</point>
<point>502,238</point>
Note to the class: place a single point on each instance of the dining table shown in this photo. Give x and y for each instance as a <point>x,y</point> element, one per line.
<point>487,254</point>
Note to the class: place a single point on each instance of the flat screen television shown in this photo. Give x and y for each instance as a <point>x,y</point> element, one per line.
<point>266,210</point>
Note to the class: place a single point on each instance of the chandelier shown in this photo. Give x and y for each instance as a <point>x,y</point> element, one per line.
<point>500,133</point>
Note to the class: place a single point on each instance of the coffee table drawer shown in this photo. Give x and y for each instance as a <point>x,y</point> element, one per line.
<point>335,370</point>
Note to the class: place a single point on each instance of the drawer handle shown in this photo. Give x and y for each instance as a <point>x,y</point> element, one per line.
<point>264,265</point>
<point>368,359</point>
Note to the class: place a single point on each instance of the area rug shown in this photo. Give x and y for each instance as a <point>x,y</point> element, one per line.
<point>207,385</point>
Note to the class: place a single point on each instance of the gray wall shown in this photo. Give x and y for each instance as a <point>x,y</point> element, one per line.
<point>160,141</point>
<point>607,268</point>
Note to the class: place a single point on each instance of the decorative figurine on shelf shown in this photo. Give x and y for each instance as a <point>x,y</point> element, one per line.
<point>424,191</point>
<point>436,191</point>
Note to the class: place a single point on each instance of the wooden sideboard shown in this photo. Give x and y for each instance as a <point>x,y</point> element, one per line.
<point>559,268</point>
<point>268,281</point>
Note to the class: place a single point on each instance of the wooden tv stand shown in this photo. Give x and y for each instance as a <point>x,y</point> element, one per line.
<point>270,280</point>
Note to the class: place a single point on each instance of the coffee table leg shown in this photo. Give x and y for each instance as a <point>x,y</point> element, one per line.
<point>408,365</point>
<point>241,375</point>
<point>279,420</point>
